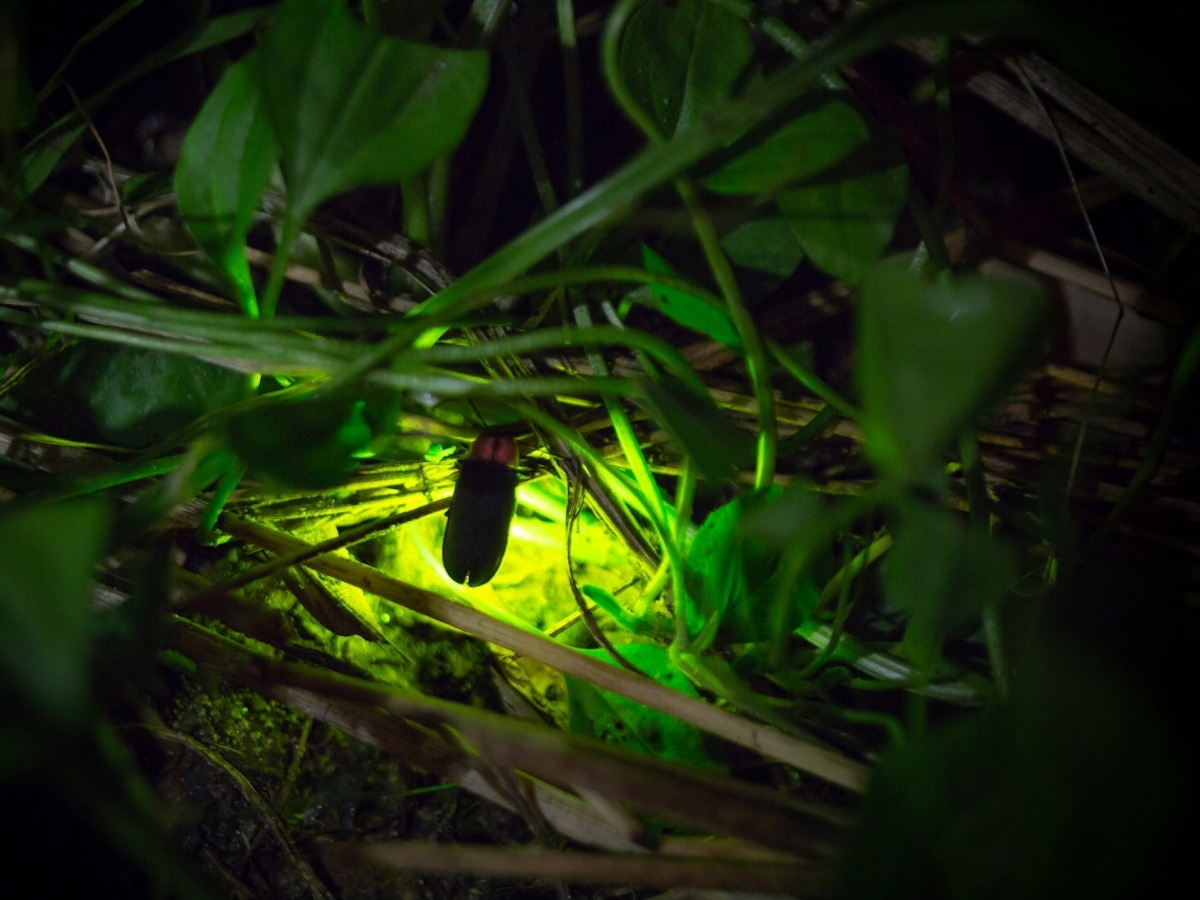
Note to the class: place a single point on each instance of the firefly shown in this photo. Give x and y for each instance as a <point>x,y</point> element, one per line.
<point>481,511</point>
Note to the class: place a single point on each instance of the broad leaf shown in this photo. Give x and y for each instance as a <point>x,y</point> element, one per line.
<point>839,192</point>
<point>351,107</point>
<point>126,396</point>
<point>687,309</point>
<point>764,245</point>
<point>681,58</point>
<point>766,253</point>
<point>845,224</point>
<point>932,354</point>
<point>223,167</point>
<point>50,552</point>
<point>800,149</point>
<point>309,443</point>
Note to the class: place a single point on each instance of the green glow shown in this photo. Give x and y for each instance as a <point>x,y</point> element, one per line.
<point>531,589</point>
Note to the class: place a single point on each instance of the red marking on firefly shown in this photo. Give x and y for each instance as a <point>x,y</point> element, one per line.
<point>495,448</point>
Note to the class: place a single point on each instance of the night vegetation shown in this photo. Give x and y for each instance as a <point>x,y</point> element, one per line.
<point>841,358</point>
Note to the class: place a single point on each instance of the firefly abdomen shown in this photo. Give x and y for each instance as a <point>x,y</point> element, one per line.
<point>481,511</point>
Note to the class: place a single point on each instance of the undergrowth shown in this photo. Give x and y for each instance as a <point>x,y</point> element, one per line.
<point>763,583</point>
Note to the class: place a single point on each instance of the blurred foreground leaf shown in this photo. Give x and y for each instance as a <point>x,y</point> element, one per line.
<point>932,354</point>
<point>1072,789</point>
<point>46,569</point>
<point>942,575</point>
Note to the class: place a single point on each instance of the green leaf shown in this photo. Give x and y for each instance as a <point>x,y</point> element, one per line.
<point>799,522</point>
<point>126,396</point>
<point>206,462</point>
<point>942,575</point>
<point>651,625</point>
<point>806,145</point>
<point>720,448</point>
<point>1032,798</point>
<point>350,107</point>
<point>627,723</point>
<point>36,161</point>
<point>687,309</point>
<point>682,58</point>
<point>767,245</point>
<point>732,573</point>
<point>932,354</point>
<point>842,219</point>
<point>715,570</point>
<point>765,252</point>
<point>223,167</point>
<point>310,443</point>
<point>845,224</point>
<point>46,569</point>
